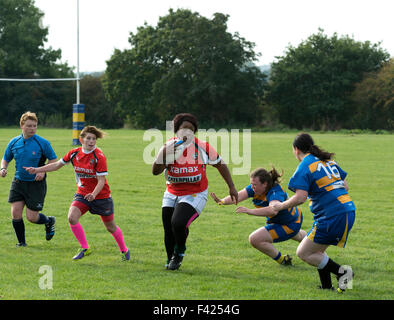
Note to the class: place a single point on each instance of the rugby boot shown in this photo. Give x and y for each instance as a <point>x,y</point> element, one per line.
<point>50,228</point>
<point>126,255</point>
<point>176,261</point>
<point>82,253</point>
<point>286,260</point>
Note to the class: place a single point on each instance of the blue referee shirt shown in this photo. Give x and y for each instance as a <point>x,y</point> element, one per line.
<point>32,152</point>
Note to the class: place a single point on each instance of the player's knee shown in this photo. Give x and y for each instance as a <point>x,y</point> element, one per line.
<point>253,239</point>
<point>302,254</point>
<point>32,218</point>
<point>258,240</point>
<point>72,220</point>
<point>111,228</point>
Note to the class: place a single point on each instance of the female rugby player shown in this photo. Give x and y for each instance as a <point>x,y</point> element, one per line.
<point>185,163</point>
<point>93,193</point>
<point>320,178</point>
<point>281,225</point>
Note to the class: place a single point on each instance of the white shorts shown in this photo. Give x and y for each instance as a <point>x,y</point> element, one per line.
<point>196,200</point>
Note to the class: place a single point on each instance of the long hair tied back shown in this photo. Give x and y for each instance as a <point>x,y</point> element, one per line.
<point>271,177</point>
<point>305,144</point>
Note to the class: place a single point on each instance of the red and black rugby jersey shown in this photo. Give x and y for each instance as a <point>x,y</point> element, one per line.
<point>87,166</point>
<point>187,175</point>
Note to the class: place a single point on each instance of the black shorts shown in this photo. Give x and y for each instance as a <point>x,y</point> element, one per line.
<point>31,192</point>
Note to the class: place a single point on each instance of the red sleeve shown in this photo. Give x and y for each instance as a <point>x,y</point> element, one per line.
<point>101,166</point>
<point>209,153</point>
<point>69,155</point>
<point>213,156</point>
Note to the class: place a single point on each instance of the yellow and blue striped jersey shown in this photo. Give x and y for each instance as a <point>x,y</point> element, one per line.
<point>275,193</point>
<point>324,182</point>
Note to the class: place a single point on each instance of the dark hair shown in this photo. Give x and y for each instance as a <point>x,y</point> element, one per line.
<point>305,143</point>
<point>271,177</point>
<point>181,117</point>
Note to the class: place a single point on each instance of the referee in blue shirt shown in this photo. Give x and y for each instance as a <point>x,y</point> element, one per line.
<point>28,150</point>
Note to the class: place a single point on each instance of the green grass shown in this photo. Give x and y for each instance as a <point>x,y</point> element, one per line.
<point>220,263</point>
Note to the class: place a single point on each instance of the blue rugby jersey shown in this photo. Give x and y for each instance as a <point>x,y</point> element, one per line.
<point>324,182</point>
<point>31,152</point>
<point>276,193</point>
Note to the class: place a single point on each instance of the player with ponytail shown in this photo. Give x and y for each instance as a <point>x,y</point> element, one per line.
<point>323,181</point>
<point>281,225</point>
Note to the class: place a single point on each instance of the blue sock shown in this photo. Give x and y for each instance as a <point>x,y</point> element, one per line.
<point>279,258</point>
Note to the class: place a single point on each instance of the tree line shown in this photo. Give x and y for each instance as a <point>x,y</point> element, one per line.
<point>189,63</point>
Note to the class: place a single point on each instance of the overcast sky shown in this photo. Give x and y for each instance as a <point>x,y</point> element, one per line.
<point>271,24</point>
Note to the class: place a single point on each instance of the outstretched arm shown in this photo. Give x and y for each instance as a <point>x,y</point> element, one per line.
<point>41,175</point>
<point>47,168</point>
<point>297,199</point>
<point>242,195</point>
<point>262,212</point>
<point>225,173</point>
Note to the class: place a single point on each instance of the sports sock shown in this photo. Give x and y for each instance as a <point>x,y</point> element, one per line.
<point>325,278</point>
<point>80,235</point>
<point>118,235</point>
<point>42,219</point>
<point>279,258</point>
<point>333,267</point>
<point>179,249</point>
<point>19,227</point>
<point>325,272</point>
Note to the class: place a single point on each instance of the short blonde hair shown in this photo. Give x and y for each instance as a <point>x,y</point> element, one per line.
<point>92,129</point>
<point>28,116</point>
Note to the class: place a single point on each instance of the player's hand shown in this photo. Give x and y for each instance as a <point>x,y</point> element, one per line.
<point>31,170</point>
<point>3,172</point>
<point>90,197</point>
<point>242,210</point>
<point>233,194</point>
<point>169,147</point>
<point>215,198</point>
<point>39,176</point>
<point>186,135</point>
<point>277,206</point>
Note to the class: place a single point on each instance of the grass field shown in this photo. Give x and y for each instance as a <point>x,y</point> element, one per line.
<point>219,263</point>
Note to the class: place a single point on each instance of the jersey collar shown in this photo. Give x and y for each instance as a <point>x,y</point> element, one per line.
<point>27,138</point>
<point>87,152</point>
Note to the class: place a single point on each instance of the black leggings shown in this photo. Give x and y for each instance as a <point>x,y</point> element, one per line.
<point>176,223</point>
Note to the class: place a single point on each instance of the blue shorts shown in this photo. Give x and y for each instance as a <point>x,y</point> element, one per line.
<point>334,230</point>
<point>283,232</point>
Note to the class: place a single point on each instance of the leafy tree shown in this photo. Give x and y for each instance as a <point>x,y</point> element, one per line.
<point>22,55</point>
<point>374,98</point>
<point>187,63</point>
<point>98,111</point>
<point>311,84</point>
